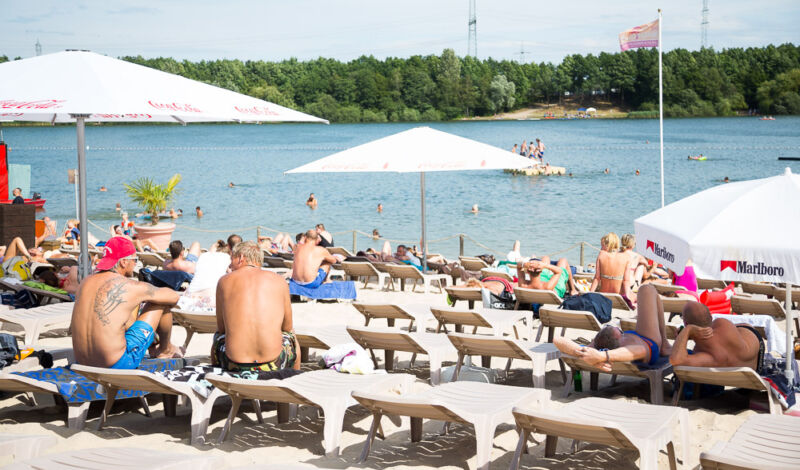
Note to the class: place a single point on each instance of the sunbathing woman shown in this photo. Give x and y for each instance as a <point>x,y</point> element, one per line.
<point>612,274</point>
<point>543,275</point>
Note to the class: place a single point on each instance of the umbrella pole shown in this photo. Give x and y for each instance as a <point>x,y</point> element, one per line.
<point>423,241</point>
<point>789,343</point>
<point>84,266</point>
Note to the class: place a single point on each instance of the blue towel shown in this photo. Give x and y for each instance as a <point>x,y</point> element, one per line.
<point>330,290</point>
<point>75,388</point>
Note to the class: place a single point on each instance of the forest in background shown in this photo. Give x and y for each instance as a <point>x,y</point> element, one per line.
<point>445,87</point>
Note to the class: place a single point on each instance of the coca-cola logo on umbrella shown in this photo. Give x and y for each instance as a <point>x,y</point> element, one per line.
<point>175,107</point>
<point>37,104</point>
<point>257,111</point>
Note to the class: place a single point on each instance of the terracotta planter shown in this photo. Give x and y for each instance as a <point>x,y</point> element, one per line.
<point>160,234</point>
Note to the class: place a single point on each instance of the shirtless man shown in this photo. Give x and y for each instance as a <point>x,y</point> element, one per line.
<point>543,275</point>
<point>646,343</point>
<point>181,261</point>
<point>311,262</point>
<point>254,317</point>
<point>717,343</point>
<point>111,327</point>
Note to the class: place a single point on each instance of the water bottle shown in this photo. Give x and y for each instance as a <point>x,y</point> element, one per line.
<point>577,378</point>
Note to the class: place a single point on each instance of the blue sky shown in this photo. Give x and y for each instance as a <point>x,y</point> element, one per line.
<point>346,29</point>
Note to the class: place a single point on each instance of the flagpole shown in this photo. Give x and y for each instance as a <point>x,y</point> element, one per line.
<point>661,107</point>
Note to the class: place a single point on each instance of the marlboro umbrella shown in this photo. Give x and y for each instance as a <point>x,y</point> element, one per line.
<point>746,231</point>
<point>79,86</point>
<point>417,150</point>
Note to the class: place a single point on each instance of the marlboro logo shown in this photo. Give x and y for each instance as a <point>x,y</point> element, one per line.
<point>743,267</point>
<point>660,251</point>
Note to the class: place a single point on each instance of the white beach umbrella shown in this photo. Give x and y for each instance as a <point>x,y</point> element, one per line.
<point>79,86</point>
<point>417,150</point>
<point>745,231</point>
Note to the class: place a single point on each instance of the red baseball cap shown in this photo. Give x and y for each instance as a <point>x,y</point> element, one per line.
<point>116,248</point>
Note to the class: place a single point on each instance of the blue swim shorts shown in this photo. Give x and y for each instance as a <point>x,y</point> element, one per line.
<point>138,338</point>
<point>321,275</point>
<point>191,257</point>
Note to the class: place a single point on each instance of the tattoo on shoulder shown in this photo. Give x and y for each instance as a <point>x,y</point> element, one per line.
<point>109,296</point>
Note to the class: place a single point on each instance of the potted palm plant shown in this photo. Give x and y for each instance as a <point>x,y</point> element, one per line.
<point>154,198</point>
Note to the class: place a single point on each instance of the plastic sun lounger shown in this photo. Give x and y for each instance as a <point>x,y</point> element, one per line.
<point>358,269</point>
<point>59,263</point>
<point>320,337</point>
<point>634,426</point>
<point>326,389</point>
<point>194,322</point>
<point>763,442</point>
<point>738,377</point>
<point>394,339</point>
<point>338,250</point>
<point>617,302</point>
<point>499,321</point>
<point>536,296</point>
<point>771,307</point>
<point>67,355</point>
<point>553,317</point>
<point>415,313</point>
<point>664,289</point>
<point>538,353</point>
<point>150,259</point>
<point>471,263</point>
<point>758,288</point>
<point>780,294</point>
<point>22,447</point>
<point>709,284</point>
<point>487,272</point>
<point>655,375</point>
<point>119,458</point>
<point>404,272</point>
<point>468,294</point>
<point>38,319</point>
<point>115,379</point>
<point>483,406</point>
<point>41,296</point>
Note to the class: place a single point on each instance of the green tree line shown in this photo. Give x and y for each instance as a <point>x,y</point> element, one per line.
<point>444,87</point>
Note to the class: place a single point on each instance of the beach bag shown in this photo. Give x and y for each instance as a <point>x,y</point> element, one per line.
<point>9,349</point>
<point>16,267</point>
<point>597,304</point>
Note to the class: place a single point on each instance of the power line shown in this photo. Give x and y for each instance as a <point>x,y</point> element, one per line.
<point>472,39</point>
<point>521,52</point>
<point>38,47</point>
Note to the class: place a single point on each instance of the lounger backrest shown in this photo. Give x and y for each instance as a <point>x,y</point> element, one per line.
<point>617,302</point>
<point>394,340</point>
<point>459,317</point>
<point>127,379</point>
<point>357,269</point>
<point>405,271</point>
<point>770,307</point>
<point>464,293</point>
<point>666,288</point>
<point>418,408</point>
<point>310,340</point>
<point>554,317</point>
<point>673,304</point>
<point>763,441</point>
<point>757,288</point>
<point>274,262</point>
<point>536,296</point>
<point>711,284</point>
<point>475,345</point>
<point>739,377</point>
<point>471,263</point>
<point>199,322</point>
<point>268,390</point>
<point>338,250</point>
<point>580,429</point>
<point>780,294</point>
<point>382,311</point>
<point>487,272</point>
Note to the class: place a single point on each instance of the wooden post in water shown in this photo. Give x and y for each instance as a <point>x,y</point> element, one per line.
<point>582,254</point>
<point>354,242</point>
<point>258,233</point>
<point>460,244</point>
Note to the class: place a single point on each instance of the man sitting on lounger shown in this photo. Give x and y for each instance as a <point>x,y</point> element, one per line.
<point>115,318</point>
<point>182,261</point>
<point>717,343</point>
<point>646,343</point>
<point>312,263</point>
<point>254,317</point>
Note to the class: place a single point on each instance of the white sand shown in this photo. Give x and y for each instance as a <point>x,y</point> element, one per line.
<point>301,440</point>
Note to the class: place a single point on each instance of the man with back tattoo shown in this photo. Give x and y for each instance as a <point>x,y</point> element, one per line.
<point>114,317</point>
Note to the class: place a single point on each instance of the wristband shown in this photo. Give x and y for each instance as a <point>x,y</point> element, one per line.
<point>608,359</point>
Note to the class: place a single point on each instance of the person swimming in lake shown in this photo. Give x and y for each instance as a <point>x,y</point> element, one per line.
<point>605,171</point>
<point>637,172</point>
<point>103,189</point>
<point>726,180</point>
<point>198,212</point>
<point>380,208</point>
<point>231,185</point>
<point>474,209</point>
<point>311,202</point>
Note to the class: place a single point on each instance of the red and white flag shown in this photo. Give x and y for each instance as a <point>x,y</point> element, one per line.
<point>645,35</point>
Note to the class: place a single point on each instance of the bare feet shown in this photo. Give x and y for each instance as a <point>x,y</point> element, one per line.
<point>169,352</point>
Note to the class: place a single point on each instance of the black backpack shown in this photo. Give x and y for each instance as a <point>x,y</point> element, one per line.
<point>598,304</point>
<point>9,349</point>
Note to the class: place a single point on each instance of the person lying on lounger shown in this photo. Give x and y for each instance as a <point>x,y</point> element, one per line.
<point>115,318</point>
<point>254,317</point>
<point>717,343</point>
<point>312,263</point>
<point>544,275</point>
<point>646,343</point>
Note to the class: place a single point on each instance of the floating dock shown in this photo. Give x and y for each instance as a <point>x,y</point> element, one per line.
<point>540,170</point>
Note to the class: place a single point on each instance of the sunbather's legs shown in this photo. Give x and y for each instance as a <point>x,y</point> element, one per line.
<point>160,318</point>
<point>16,248</point>
<point>563,263</point>
<point>387,248</point>
<point>195,249</point>
<point>650,318</point>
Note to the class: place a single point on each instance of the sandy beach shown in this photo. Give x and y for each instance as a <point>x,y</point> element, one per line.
<point>300,440</point>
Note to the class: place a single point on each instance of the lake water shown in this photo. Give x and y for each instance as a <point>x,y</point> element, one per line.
<point>548,214</point>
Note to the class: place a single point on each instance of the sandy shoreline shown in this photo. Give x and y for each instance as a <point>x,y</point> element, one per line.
<point>301,440</point>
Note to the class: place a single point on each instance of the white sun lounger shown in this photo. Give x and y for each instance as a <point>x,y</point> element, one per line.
<point>655,375</point>
<point>415,313</point>
<point>499,321</point>
<point>38,319</point>
<point>553,317</point>
<point>76,412</point>
<point>472,263</point>
<point>738,377</point>
<point>435,346</point>
<point>468,294</point>
<point>405,272</point>
<point>365,269</point>
<point>22,447</point>
<point>771,307</point>
<point>320,337</point>
<point>664,289</point>
<point>617,302</point>
<point>117,379</point>
<point>194,322</point>
<point>634,426</point>
<point>150,260</point>
<point>326,389</point>
<point>762,288</point>
<point>483,406</point>
<point>119,458</point>
<point>338,250</point>
<point>763,442</point>
<point>538,353</point>
<point>709,284</point>
<point>536,296</point>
